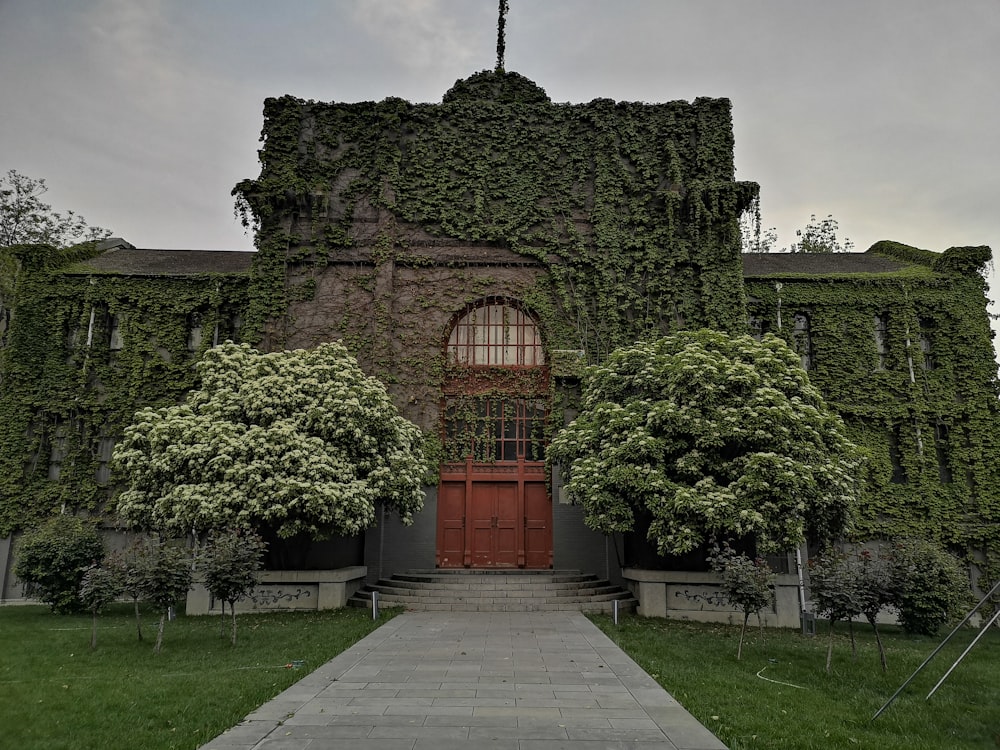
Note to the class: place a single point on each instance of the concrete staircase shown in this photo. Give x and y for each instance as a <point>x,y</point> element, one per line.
<point>464,590</point>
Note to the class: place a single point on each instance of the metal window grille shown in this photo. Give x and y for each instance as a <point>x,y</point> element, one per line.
<point>495,429</point>
<point>496,336</point>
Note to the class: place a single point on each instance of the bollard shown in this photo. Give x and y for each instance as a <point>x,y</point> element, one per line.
<point>374,605</point>
<point>614,606</point>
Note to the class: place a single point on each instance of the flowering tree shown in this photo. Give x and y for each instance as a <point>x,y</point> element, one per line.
<point>714,436</point>
<point>296,441</point>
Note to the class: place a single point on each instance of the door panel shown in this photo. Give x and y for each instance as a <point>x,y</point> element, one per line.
<point>505,537</point>
<point>451,525</point>
<point>537,526</point>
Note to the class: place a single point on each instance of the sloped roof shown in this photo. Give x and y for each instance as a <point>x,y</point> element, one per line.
<point>130,261</point>
<point>780,264</point>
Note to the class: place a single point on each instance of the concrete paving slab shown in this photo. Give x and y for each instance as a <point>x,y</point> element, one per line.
<point>460,680</point>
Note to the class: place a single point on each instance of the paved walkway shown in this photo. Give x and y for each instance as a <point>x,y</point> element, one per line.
<point>458,680</point>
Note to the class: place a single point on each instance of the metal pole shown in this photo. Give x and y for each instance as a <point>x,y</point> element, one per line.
<point>374,605</point>
<point>614,606</point>
<point>982,632</point>
<point>802,588</point>
<point>935,651</point>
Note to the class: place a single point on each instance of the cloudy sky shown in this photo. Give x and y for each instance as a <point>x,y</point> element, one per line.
<point>142,114</point>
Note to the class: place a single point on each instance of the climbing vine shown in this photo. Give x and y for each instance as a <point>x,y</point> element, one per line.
<point>906,358</point>
<point>84,351</point>
<point>630,209</point>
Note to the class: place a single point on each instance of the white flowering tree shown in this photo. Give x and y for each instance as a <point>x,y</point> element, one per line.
<point>713,436</point>
<point>294,441</point>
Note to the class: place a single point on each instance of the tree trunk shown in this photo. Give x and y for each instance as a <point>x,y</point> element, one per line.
<point>222,618</point>
<point>159,633</point>
<point>881,648</point>
<point>93,631</point>
<point>739,650</point>
<point>138,621</point>
<point>854,645</point>
<point>232,609</point>
<point>829,649</point>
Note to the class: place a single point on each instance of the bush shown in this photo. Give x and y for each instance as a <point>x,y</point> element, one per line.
<point>163,576</point>
<point>51,560</point>
<point>230,564</point>
<point>929,586</point>
<point>748,584</point>
<point>100,586</point>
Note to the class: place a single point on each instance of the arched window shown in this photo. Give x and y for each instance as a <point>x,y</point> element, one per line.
<point>496,335</point>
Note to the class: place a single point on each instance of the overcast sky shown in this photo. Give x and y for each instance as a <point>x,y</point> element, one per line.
<point>141,115</point>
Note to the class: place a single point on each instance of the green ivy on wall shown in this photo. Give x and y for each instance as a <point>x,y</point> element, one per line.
<point>631,208</point>
<point>921,395</point>
<point>67,388</point>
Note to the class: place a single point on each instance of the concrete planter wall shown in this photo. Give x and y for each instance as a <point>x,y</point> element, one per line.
<point>684,595</point>
<point>282,590</point>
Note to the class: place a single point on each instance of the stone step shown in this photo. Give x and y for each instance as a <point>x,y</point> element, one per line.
<point>419,606</point>
<point>460,579</point>
<point>497,591</point>
<point>592,585</point>
<point>386,594</point>
<point>391,587</point>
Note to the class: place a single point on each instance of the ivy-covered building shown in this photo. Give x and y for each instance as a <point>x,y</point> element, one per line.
<point>475,255</point>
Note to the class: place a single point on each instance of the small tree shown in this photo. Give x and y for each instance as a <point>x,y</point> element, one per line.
<point>101,585</point>
<point>875,592</point>
<point>714,436</point>
<point>133,572</point>
<point>836,590</point>
<point>51,560</point>
<point>930,586</point>
<point>164,576</point>
<point>820,236</point>
<point>747,584</point>
<point>295,441</point>
<point>25,219</point>
<point>230,564</point>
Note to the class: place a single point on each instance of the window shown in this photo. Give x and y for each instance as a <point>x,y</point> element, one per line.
<point>228,328</point>
<point>57,453</point>
<point>495,428</point>
<point>882,340</point>
<point>194,331</point>
<point>926,339</point>
<point>896,458</point>
<point>755,327</point>
<point>115,333</point>
<point>496,335</point>
<point>942,449</point>
<point>802,340</point>
<point>105,447</point>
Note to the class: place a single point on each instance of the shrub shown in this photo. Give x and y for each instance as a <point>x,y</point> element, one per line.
<point>100,586</point>
<point>748,584</point>
<point>162,574</point>
<point>230,563</point>
<point>51,560</point>
<point>929,586</point>
<point>836,590</point>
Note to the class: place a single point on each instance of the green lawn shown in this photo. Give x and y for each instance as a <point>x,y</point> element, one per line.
<point>56,693</point>
<point>746,705</point>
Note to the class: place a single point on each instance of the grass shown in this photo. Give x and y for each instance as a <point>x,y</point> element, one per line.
<point>55,693</point>
<point>746,706</point>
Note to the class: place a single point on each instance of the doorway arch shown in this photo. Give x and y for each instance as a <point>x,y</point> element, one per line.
<point>494,508</point>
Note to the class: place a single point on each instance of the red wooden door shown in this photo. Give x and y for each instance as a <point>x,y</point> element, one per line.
<point>494,516</point>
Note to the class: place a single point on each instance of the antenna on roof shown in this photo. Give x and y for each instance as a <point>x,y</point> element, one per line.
<point>504,7</point>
